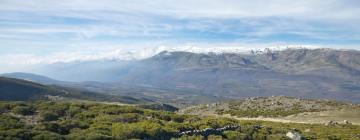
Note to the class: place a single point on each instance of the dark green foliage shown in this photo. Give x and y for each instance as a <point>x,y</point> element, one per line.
<point>4,107</point>
<point>73,110</point>
<point>127,118</point>
<point>233,135</point>
<point>10,122</point>
<point>58,121</point>
<point>140,130</point>
<point>23,110</point>
<point>49,116</point>
<point>164,107</point>
<point>45,135</point>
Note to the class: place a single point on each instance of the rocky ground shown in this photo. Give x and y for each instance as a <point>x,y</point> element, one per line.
<point>287,110</point>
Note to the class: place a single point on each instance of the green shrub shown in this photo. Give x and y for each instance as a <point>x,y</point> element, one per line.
<point>234,135</point>
<point>49,116</point>
<point>139,130</point>
<point>101,121</point>
<point>4,107</point>
<point>23,110</point>
<point>45,135</point>
<point>214,137</point>
<point>73,110</point>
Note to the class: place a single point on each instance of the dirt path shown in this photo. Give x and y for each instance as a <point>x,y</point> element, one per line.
<point>310,118</point>
<point>265,119</point>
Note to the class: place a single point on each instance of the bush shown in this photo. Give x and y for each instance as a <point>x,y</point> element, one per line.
<point>178,118</point>
<point>16,134</point>
<point>52,127</point>
<point>88,135</point>
<point>4,107</point>
<point>233,135</point>
<point>49,116</point>
<point>140,130</point>
<point>9,122</point>
<point>23,110</point>
<point>45,135</point>
<point>214,137</point>
<point>73,110</point>
<point>127,118</point>
<point>65,126</point>
<point>190,138</point>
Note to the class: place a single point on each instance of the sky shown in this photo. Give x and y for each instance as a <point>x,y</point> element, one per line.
<point>32,30</point>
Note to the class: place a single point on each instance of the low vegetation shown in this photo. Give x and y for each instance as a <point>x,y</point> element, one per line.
<point>274,106</point>
<point>59,120</point>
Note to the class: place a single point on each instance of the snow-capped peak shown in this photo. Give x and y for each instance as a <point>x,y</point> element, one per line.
<point>145,53</point>
<point>139,54</point>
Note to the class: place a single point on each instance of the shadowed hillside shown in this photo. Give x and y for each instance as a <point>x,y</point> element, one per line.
<point>15,89</point>
<point>22,90</point>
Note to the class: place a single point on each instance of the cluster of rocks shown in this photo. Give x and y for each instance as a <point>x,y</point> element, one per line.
<point>293,135</point>
<point>55,98</point>
<point>347,122</point>
<point>210,131</point>
<point>329,123</point>
<point>285,103</point>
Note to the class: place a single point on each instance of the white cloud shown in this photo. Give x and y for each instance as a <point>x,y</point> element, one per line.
<point>130,54</point>
<point>128,18</point>
<point>48,31</point>
<point>346,9</point>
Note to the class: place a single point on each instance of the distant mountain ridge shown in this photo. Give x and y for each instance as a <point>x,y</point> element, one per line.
<point>32,77</point>
<point>148,52</point>
<point>317,73</point>
<point>15,89</point>
<point>299,72</point>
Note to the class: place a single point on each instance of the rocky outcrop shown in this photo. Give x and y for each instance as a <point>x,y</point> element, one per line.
<point>294,135</point>
<point>210,131</point>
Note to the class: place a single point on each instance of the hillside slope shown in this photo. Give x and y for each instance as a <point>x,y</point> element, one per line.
<point>32,77</point>
<point>15,89</point>
<point>21,90</point>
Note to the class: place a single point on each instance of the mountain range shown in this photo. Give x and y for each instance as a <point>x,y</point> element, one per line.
<point>297,72</point>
